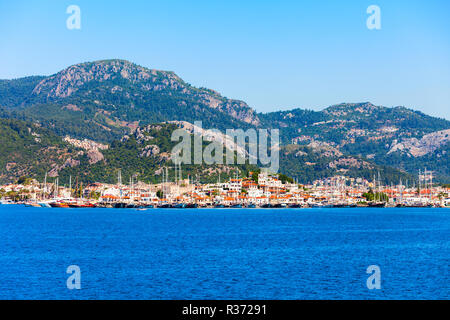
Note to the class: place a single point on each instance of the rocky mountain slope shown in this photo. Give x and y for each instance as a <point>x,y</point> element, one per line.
<point>141,154</point>
<point>397,137</point>
<point>104,100</point>
<point>27,149</point>
<point>32,151</point>
<point>429,143</point>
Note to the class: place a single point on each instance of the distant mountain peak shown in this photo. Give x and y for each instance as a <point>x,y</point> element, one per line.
<point>107,99</point>
<point>111,82</point>
<point>352,107</point>
<point>66,82</point>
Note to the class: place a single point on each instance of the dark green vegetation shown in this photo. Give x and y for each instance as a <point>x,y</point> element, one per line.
<point>376,196</point>
<point>13,93</point>
<point>105,100</point>
<point>369,132</point>
<point>29,150</point>
<point>306,164</point>
<point>334,123</point>
<point>131,156</point>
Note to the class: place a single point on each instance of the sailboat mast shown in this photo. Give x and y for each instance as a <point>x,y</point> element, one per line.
<point>420,194</point>
<point>45,184</point>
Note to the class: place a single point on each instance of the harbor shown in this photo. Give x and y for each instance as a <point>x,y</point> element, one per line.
<point>257,190</point>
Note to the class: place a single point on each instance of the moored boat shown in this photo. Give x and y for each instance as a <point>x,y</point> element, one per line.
<point>377,205</point>
<point>59,205</point>
<point>81,205</point>
<point>44,204</point>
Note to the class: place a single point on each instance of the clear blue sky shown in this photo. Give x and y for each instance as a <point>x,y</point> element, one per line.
<point>271,54</point>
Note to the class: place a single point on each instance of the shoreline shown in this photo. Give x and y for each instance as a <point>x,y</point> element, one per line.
<point>165,207</point>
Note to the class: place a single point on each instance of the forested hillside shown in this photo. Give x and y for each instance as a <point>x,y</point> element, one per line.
<point>104,100</point>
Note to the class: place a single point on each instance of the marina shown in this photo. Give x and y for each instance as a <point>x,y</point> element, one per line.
<point>265,192</point>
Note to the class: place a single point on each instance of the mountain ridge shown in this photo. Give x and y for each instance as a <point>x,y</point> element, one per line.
<point>71,81</point>
<point>107,99</point>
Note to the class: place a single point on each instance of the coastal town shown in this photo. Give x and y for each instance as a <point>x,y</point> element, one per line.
<point>257,190</point>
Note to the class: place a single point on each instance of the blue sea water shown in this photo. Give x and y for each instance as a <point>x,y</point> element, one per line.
<point>224,253</point>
